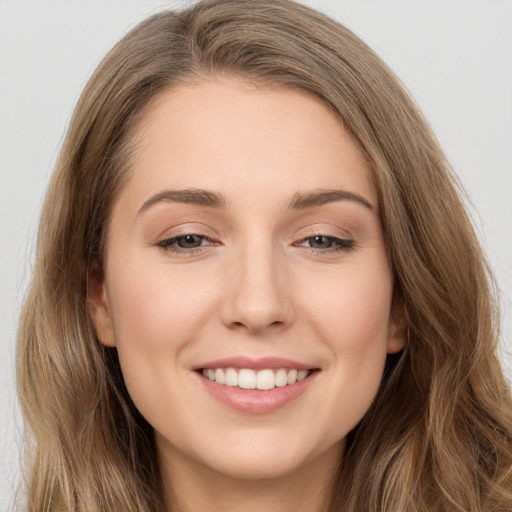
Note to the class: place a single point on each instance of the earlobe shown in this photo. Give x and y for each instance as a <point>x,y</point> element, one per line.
<point>398,327</point>
<point>99,307</point>
<point>397,342</point>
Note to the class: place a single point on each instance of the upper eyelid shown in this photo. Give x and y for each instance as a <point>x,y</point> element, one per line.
<point>324,228</point>
<point>313,230</point>
<point>310,230</point>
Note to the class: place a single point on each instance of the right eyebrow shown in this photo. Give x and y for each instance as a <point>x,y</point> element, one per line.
<point>196,197</point>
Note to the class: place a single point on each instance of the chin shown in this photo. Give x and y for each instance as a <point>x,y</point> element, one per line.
<point>263,457</point>
<point>259,468</point>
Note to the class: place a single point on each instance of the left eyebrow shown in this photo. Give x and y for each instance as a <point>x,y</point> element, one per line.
<point>301,201</point>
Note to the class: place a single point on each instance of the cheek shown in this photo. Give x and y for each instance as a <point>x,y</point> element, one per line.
<point>352,320</point>
<point>156,315</point>
<point>353,311</point>
<point>155,304</point>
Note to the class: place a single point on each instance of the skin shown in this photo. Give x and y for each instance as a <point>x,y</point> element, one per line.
<point>258,285</point>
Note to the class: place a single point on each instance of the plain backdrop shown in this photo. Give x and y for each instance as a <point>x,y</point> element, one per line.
<point>455,56</point>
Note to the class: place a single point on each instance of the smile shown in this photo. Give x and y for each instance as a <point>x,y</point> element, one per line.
<point>256,386</point>
<point>263,380</point>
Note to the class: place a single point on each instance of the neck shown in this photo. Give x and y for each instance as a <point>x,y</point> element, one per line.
<point>192,487</point>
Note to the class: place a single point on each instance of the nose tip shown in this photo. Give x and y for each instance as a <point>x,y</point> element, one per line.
<point>257,298</point>
<point>253,328</point>
<point>255,321</point>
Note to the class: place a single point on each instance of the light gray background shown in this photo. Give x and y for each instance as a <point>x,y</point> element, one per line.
<point>454,55</point>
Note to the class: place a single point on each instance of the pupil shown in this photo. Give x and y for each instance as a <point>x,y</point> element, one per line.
<point>189,240</point>
<point>322,241</point>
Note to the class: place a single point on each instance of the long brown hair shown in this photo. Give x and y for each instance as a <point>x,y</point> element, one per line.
<point>438,436</point>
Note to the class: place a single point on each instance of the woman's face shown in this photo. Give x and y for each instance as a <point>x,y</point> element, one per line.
<point>246,247</point>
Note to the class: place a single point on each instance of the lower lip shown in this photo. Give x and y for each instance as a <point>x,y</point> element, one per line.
<point>255,401</point>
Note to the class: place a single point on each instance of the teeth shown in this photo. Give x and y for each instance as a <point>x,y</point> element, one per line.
<point>292,376</point>
<point>246,378</point>
<point>281,377</point>
<point>219,376</point>
<point>231,377</point>
<point>301,375</point>
<point>265,379</point>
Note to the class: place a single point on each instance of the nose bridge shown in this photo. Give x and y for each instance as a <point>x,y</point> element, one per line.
<point>257,297</point>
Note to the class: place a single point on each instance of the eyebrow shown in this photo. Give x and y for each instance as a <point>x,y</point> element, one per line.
<point>196,197</point>
<point>299,201</point>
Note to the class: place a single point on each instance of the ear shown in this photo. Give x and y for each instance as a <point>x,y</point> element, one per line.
<point>398,324</point>
<point>98,304</point>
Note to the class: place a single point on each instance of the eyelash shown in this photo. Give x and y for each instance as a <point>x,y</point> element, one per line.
<point>167,246</point>
<point>342,244</point>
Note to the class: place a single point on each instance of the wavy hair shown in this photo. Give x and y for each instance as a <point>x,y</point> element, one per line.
<point>438,436</point>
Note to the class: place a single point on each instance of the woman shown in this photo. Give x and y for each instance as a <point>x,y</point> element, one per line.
<point>256,285</point>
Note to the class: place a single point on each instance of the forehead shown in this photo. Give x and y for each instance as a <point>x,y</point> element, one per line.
<point>240,138</point>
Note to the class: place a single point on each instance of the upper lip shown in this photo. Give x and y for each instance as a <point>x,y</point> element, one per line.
<point>260,363</point>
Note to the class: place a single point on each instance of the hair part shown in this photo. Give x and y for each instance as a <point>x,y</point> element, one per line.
<point>439,433</point>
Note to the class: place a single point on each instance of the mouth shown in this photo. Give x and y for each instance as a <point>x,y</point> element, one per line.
<point>256,386</point>
<point>263,379</point>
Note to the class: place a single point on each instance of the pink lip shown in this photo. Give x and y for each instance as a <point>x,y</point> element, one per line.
<point>254,364</point>
<point>253,401</point>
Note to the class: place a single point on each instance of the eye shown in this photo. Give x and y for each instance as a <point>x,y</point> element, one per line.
<point>324,243</point>
<point>188,244</point>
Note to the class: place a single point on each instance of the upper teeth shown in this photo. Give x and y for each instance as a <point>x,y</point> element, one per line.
<point>246,378</point>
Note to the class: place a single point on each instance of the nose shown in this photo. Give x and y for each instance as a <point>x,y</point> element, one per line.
<point>257,293</point>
